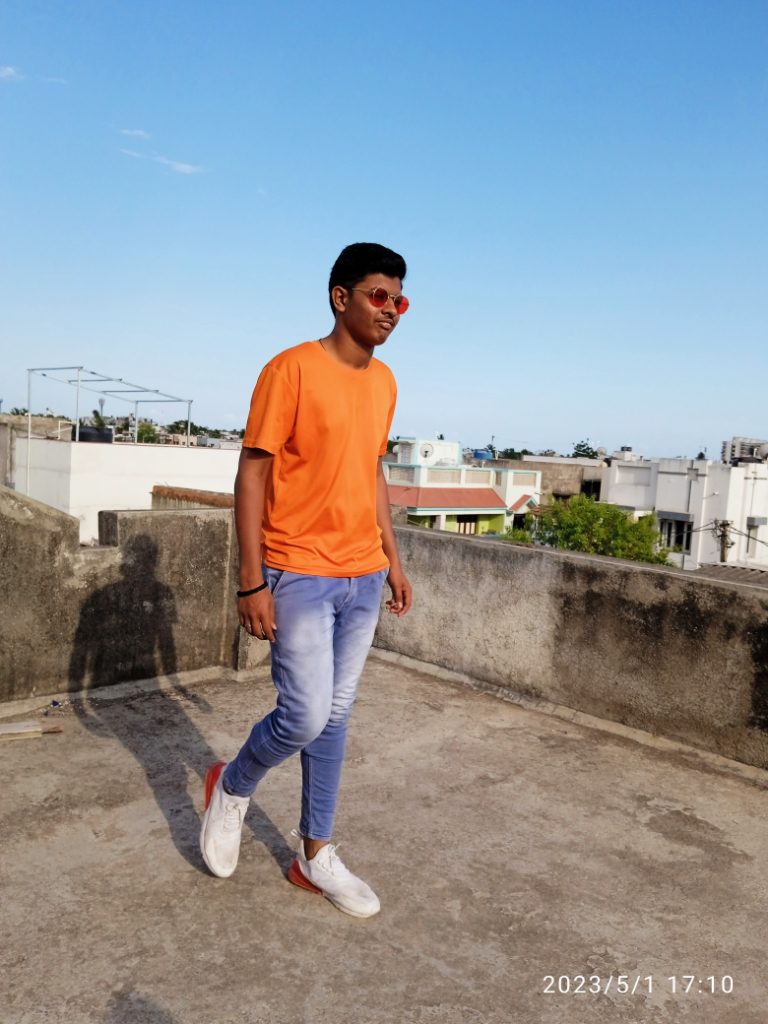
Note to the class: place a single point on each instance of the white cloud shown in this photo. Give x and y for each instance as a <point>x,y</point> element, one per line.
<point>135,131</point>
<point>173,164</point>
<point>180,168</point>
<point>10,74</point>
<point>56,81</point>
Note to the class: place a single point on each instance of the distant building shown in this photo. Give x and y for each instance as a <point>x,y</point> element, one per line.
<point>561,476</point>
<point>219,442</point>
<point>687,496</point>
<point>435,490</point>
<point>742,448</point>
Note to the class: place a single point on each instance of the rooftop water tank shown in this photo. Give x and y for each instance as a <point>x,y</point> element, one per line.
<point>101,434</point>
<point>477,454</point>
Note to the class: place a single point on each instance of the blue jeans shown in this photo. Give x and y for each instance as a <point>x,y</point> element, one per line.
<point>325,628</point>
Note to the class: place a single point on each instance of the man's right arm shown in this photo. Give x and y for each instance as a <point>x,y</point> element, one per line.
<point>257,612</point>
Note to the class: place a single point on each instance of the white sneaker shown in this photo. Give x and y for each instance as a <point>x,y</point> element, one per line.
<point>325,874</point>
<point>222,823</point>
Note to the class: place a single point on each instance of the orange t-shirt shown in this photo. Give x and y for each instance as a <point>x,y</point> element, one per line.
<point>326,424</point>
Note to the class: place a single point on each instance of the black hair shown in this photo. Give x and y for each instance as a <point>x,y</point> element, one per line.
<point>363,258</point>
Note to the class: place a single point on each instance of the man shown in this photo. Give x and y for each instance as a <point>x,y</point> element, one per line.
<point>316,546</point>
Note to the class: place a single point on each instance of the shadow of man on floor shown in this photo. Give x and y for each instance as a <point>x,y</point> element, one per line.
<point>134,1008</point>
<point>125,632</point>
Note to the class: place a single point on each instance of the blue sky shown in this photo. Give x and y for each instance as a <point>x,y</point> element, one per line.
<point>579,189</point>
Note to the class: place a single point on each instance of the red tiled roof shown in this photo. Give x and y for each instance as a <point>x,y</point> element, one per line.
<point>445,497</point>
<point>520,502</point>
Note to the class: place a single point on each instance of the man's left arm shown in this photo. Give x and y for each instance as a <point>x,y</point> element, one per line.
<point>398,584</point>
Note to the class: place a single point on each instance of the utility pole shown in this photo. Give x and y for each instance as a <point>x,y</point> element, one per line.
<point>722,530</point>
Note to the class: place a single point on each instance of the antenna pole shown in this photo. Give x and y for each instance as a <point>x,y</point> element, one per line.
<point>77,406</point>
<point>189,420</point>
<point>135,422</point>
<point>29,423</point>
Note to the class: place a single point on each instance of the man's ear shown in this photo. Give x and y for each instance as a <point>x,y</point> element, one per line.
<point>339,298</point>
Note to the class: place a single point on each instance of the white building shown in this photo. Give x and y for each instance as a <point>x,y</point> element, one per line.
<point>742,448</point>
<point>84,479</point>
<point>687,496</point>
<point>412,452</point>
<point>226,444</point>
<point>430,483</point>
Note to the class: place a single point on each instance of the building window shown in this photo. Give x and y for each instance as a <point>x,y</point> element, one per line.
<point>752,540</point>
<point>591,488</point>
<point>403,474</point>
<point>497,477</point>
<point>676,535</point>
<point>466,524</point>
<point>524,479</point>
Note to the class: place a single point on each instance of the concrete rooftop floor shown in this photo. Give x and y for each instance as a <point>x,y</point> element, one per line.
<point>505,845</point>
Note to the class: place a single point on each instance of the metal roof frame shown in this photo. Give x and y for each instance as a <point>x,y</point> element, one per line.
<point>100,378</point>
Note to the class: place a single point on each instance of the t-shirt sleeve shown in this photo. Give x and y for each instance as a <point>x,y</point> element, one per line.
<point>390,417</point>
<point>273,412</point>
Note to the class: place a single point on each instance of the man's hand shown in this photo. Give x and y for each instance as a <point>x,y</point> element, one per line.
<point>402,593</point>
<point>257,615</point>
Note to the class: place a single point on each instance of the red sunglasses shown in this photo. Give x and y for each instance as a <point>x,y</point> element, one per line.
<point>378,297</point>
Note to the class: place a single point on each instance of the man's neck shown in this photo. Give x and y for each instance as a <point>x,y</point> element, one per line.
<point>342,346</point>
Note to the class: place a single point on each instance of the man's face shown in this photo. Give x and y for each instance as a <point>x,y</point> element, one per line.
<point>368,325</point>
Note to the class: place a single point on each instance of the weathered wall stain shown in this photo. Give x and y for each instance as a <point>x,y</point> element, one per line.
<point>758,642</point>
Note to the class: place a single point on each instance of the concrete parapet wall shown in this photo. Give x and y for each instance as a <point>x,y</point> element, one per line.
<point>649,647</point>
<point>157,597</point>
<point>646,646</point>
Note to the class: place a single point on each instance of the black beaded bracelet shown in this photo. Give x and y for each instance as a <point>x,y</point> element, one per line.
<point>247,593</point>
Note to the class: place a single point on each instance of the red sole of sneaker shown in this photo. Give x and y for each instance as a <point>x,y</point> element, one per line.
<point>295,876</point>
<point>211,778</point>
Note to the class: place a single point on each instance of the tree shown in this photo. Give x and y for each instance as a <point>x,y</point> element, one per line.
<point>584,450</point>
<point>15,411</point>
<point>147,433</point>
<point>596,529</point>
<point>195,430</point>
<point>512,453</point>
<point>98,419</point>
<point>180,427</point>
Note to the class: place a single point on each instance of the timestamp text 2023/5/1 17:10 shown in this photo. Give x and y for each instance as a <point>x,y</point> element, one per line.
<point>625,984</point>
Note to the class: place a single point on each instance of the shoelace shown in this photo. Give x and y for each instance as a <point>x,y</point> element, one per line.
<point>231,818</point>
<point>335,865</point>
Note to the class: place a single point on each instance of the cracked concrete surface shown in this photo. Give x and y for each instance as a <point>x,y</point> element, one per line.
<point>505,846</point>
